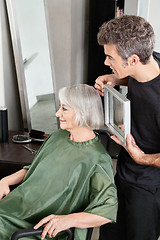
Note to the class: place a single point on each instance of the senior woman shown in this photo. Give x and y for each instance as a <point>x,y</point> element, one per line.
<point>70,182</point>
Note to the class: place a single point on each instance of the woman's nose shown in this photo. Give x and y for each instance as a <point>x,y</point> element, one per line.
<point>58,113</point>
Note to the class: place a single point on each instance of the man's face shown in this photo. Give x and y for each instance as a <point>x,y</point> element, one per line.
<point>115,61</point>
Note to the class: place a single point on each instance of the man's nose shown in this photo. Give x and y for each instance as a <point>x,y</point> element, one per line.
<point>106,62</point>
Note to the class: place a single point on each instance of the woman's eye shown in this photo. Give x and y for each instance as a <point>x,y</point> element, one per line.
<point>64,109</point>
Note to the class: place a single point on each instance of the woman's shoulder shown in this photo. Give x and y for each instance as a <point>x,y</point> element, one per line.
<point>59,133</point>
<point>98,155</point>
<point>56,136</point>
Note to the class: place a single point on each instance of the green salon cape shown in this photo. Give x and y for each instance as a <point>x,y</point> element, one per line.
<point>65,177</point>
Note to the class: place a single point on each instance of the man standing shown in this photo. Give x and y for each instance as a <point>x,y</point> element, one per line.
<point>128,45</point>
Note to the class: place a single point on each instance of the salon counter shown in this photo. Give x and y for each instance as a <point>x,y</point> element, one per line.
<point>13,156</point>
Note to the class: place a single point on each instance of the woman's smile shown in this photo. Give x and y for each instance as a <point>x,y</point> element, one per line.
<point>66,117</point>
<point>61,120</point>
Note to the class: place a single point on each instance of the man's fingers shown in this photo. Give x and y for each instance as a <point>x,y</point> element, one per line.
<point>114,138</point>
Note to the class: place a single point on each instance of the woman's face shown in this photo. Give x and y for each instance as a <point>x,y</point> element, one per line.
<point>66,117</point>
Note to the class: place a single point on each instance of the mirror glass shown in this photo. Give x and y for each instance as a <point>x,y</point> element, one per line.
<point>33,63</point>
<point>117,120</point>
<point>117,113</point>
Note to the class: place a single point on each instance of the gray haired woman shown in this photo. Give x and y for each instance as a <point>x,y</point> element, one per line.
<point>70,182</point>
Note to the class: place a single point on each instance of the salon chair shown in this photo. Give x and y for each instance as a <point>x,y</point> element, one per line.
<point>32,232</point>
<point>111,146</point>
<point>113,149</point>
<point>24,233</point>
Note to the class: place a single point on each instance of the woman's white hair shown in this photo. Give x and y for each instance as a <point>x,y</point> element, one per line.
<point>87,104</point>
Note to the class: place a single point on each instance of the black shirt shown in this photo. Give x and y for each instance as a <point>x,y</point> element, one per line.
<point>145,128</point>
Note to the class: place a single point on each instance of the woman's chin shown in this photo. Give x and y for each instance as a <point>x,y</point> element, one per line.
<point>62,126</point>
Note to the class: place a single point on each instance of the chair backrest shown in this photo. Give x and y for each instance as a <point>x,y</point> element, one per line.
<point>89,234</point>
<point>112,148</point>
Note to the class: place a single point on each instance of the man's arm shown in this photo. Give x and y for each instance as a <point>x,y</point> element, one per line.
<point>137,154</point>
<point>109,79</point>
<point>150,159</point>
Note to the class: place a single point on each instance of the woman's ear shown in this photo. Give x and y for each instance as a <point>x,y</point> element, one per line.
<point>133,60</point>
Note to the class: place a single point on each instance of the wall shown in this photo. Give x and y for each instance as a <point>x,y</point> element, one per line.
<point>59,26</point>
<point>8,83</point>
<point>149,9</point>
<point>66,22</point>
<point>79,39</point>
<point>154,19</point>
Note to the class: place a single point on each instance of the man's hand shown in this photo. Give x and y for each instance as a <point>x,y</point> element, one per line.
<point>137,154</point>
<point>134,151</point>
<point>110,80</point>
<point>102,80</point>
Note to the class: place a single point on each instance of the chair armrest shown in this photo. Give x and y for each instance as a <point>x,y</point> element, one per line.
<point>32,232</point>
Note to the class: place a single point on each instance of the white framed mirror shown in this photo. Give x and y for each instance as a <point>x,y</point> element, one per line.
<point>117,113</point>
<point>33,62</point>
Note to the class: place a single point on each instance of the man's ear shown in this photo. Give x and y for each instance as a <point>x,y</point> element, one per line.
<point>133,60</point>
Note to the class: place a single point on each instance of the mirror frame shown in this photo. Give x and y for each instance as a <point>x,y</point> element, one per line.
<point>109,93</point>
<point>17,51</point>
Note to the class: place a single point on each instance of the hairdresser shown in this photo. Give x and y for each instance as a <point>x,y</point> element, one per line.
<point>128,43</point>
